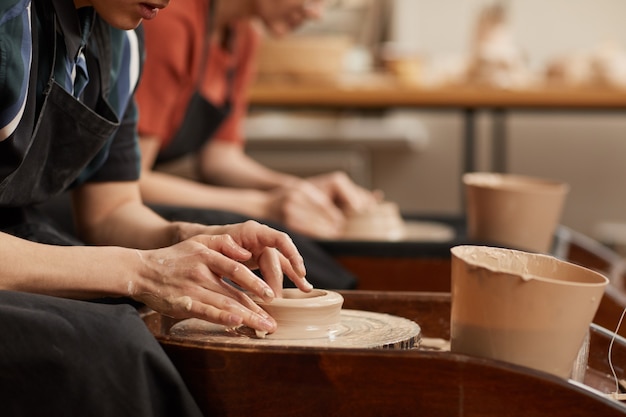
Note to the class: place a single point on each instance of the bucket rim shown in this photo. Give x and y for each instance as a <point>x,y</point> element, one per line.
<point>603,280</point>
<point>514,182</point>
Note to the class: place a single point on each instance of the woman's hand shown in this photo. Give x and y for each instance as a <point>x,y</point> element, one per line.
<point>345,193</point>
<point>188,279</point>
<point>256,246</point>
<point>305,208</point>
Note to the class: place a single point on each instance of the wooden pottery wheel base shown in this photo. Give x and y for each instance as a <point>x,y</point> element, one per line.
<point>356,329</point>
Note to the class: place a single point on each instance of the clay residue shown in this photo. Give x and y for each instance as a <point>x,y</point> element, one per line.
<point>185,302</point>
<point>176,303</point>
<point>497,260</point>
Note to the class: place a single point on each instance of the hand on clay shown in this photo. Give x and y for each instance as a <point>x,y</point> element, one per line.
<point>345,193</point>
<point>273,253</point>
<point>305,208</point>
<point>187,279</point>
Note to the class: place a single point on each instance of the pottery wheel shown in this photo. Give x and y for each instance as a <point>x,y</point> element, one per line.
<point>356,329</point>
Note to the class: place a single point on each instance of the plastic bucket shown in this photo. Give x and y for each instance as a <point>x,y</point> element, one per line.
<point>525,308</point>
<point>513,210</point>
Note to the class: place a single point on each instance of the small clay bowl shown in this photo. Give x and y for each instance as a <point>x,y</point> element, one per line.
<point>381,222</point>
<point>301,315</point>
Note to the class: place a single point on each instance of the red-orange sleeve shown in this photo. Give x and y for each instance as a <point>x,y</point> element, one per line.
<point>245,53</point>
<point>173,46</point>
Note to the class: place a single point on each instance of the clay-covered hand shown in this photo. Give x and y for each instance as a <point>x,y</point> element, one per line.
<point>305,208</point>
<point>269,250</point>
<point>345,193</point>
<point>189,279</point>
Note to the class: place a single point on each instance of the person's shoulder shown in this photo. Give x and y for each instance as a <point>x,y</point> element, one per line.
<point>14,61</point>
<point>12,8</point>
<point>14,12</point>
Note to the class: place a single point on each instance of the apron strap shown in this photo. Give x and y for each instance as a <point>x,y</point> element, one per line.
<point>102,36</point>
<point>230,74</point>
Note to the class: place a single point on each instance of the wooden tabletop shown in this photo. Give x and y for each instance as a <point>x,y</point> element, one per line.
<point>379,91</point>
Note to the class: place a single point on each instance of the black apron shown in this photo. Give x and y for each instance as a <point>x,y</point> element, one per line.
<point>62,357</point>
<point>202,120</point>
<point>53,158</point>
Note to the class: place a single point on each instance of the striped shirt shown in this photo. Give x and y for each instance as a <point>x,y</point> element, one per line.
<point>118,160</point>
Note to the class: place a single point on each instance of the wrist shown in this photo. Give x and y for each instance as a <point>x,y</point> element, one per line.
<point>180,231</point>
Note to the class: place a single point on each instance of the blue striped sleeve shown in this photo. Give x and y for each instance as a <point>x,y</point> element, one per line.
<point>15,61</point>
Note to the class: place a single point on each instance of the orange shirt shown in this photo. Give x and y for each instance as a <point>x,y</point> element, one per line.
<point>174,44</point>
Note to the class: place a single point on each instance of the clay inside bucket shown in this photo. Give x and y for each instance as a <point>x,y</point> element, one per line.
<point>525,308</point>
<point>517,211</point>
<point>301,315</point>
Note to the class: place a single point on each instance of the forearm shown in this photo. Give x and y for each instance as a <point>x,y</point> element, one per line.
<point>251,174</point>
<point>112,214</point>
<point>162,188</point>
<point>226,164</point>
<point>66,271</point>
<point>134,226</point>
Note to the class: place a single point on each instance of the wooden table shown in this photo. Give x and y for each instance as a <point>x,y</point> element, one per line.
<point>375,92</point>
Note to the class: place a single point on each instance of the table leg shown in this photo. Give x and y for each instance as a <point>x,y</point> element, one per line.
<point>499,140</point>
<point>469,163</point>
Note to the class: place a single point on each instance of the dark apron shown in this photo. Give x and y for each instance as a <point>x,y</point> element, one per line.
<point>62,357</point>
<point>63,140</point>
<point>202,120</point>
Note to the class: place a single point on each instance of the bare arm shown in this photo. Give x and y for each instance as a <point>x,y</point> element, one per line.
<point>162,188</point>
<point>74,272</point>
<point>183,279</point>
<point>297,204</point>
<point>113,214</point>
<point>226,163</point>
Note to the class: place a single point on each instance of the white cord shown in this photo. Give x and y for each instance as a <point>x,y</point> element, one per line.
<point>616,394</point>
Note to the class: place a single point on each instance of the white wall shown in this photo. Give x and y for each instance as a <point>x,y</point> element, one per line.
<point>586,150</point>
<point>543,27</point>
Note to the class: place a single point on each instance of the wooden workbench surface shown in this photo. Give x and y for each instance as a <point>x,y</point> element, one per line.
<point>375,91</point>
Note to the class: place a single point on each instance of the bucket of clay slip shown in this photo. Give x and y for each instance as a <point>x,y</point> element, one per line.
<point>513,210</point>
<point>524,308</point>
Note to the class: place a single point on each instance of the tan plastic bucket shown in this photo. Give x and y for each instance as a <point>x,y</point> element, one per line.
<point>513,210</point>
<point>525,308</point>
